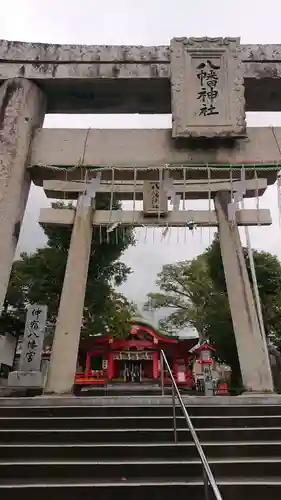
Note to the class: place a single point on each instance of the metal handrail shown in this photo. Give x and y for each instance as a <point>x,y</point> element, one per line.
<point>207,473</point>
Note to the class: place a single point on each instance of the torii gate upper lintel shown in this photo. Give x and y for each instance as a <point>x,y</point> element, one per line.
<point>117,71</point>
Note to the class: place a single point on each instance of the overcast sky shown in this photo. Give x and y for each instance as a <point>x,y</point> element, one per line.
<point>149,22</point>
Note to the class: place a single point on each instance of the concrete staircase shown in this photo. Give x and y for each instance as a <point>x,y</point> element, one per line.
<point>127,389</point>
<point>123,448</point>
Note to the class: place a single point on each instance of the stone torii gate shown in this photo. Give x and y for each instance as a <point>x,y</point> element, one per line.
<point>207,84</point>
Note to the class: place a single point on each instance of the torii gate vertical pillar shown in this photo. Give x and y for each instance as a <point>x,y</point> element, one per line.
<point>216,64</point>
<point>63,362</point>
<point>22,109</point>
<point>252,351</point>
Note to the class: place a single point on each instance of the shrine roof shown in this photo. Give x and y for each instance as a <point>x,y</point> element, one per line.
<point>202,347</point>
<point>165,337</point>
<point>139,324</point>
<point>142,322</point>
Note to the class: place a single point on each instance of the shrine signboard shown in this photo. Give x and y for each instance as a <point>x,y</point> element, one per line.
<point>132,356</point>
<point>32,345</point>
<point>29,374</point>
<point>207,88</point>
<point>155,199</point>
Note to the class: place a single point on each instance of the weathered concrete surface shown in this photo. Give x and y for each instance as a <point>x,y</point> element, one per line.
<point>201,218</point>
<point>128,79</point>
<point>22,108</point>
<point>129,191</point>
<point>252,351</point>
<point>267,172</point>
<point>61,372</point>
<point>25,379</point>
<point>127,148</point>
<point>51,401</point>
<point>52,53</point>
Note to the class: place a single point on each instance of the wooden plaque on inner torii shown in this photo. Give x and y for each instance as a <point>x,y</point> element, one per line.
<point>155,199</point>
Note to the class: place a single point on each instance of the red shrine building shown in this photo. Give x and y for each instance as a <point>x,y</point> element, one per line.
<point>136,358</point>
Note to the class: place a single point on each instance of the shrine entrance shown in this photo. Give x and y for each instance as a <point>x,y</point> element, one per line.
<point>208,153</point>
<point>134,360</point>
<point>130,372</point>
<point>133,366</point>
<point>160,199</point>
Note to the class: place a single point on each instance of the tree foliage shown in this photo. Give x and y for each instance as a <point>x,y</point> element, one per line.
<point>38,278</point>
<point>194,294</point>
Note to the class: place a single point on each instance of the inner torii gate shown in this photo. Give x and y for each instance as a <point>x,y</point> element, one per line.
<point>208,79</point>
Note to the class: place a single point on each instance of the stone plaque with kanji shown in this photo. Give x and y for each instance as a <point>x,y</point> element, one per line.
<point>207,88</point>
<point>32,344</point>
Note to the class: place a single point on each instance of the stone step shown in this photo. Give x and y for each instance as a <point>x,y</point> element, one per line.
<point>240,488</point>
<point>121,390</point>
<point>134,407</point>
<point>130,421</point>
<point>102,391</point>
<point>138,451</point>
<point>120,435</point>
<point>129,470</point>
<point>77,447</point>
<point>127,389</point>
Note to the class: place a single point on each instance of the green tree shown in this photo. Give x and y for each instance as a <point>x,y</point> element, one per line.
<point>268,271</point>
<point>196,292</point>
<point>38,277</point>
<point>184,288</point>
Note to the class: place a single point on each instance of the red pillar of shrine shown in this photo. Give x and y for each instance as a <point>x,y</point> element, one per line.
<point>155,365</point>
<point>88,364</point>
<point>110,368</point>
<point>176,370</point>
